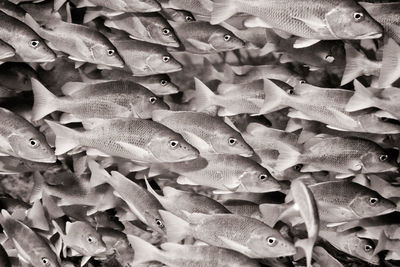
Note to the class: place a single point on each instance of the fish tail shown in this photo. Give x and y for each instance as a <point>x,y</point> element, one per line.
<point>307,246</point>
<point>211,73</point>
<point>355,63</point>
<point>37,218</point>
<point>58,4</point>
<point>66,138</point>
<point>92,14</point>
<point>144,251</point>
<point>287,158</point>
<point>361,99</point>
<point>44,101</point>
<point>98,174</point>
<point>204,97</point>
<point>383,243</point>
<point>151,190</point>
<point>222,10</point>
<point>31,22</point>
<point>271,212</point>
<point>38,186</point>
<point>390,70</point>
<point>274,96</point>
<point>229,74</point>
<point>177,228</point>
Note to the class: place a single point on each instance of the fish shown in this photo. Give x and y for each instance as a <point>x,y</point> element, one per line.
<point>390,61</point>
<point>119,5</point>
<point>4,260</point>
<point>106,100</point>
<point>31,248</point>
<point>242,234</point>
<point>304,199</point>
<point>80,42</point>
<point>177,201</point>
<point>229,173</point>
<point>141,202</point>
<point>21,139</point>
<point>207,133</point>
<point>29,46</point>
<point>184,255</point>
<point>346,156</point>
<point>6,50</point>
<point>384,243</point>
<point>380,185</point>
<point>351,244</point>
<point>12,165</point>
<point>81,237</point>
<point>177,15</point>
<point>200,37</point>
<point>157,143</point>
<point>159,84</point>
<point>325,21</point>
<point>331,106</point>
<point>147,27</point>
<point>144,59</point>
<point>337,202</point>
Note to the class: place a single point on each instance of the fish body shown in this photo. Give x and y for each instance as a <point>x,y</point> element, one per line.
<point>30,246</point>
<point>21,139</point>
<point>136,139</point>
<point>205,132</point>
<point>188,255</point>
<point>244,208</point>
<point>200,37</point>
<point>309,19</point>
<point>147,27</point>
<point>243,234</point>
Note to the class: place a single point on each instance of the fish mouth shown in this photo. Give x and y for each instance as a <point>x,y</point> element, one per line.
<point>7,55</point>
<point>189,157</point>
<point>247,154</point>
<point>52,159</point>
<point>371,35</point>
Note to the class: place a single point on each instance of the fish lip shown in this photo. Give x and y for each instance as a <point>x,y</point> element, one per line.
<point>190,157</point>
<point>372,35</point>
<point>7,55</point>
<point>248,154</point>
<point>52,159</point>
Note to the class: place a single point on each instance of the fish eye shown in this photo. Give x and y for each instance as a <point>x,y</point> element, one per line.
<point>110,52</point>
<point>189,18</point>
<point>383,157</point>
<point>34,143</point>
<point>173,143</point>
<point>262,177</point>
<point>34,43</point>
<point>373,201</point>
<point>302,81</point>
<point>166,31</point>
<point>159,223</point>
<point>368,248</point>
<point>45,261</point>
<point>329,58</point>
<point>165,59</point>
<point>297,167</point>
<point>164,82</point>
<point>153,99</point>
<point>358,16</point>
<point>271,241</point>
<point>227,37</point>
<point>290,91</point>
<point>232,141</point>
<point>90,239</point>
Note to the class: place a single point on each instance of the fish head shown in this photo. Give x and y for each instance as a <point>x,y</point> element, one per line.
<point>231,142</point>
<point>259,180</point>
<point>171,147</point>
<point>86,238</point>
<point>362,248</point>
<point>45,257</point>
<point>224,40</point>
<point>368,203</point>
<point>147,103</point>
<point>34,49</point>
<point>163,63</point>
<point>267,242</point>
<point>154,220</point>
<point>106,54</point>
<point>177,15</point>
<point>348,20</point>
<point>162,33</point>
<point>143,5</point>
<point>161,85</point>
<point>29,144</point>
<point>378,160</point>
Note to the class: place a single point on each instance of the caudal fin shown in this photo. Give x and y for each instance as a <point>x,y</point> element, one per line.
<point>66,138</point>
<point>274,96</point>
<point>390,70</point>
<point>36,217</point>
<point>37,190</point>
<point>44,101</point>
<point>271,212</point>
<point>355,61</point>
<point>144,251</point>
<point>177,228</point>
<point>222,10</point>
<point>361,99</point>
<point>98,174</point>
<point>307,245</point>
<point>204,97</point>
<point>383,243</point>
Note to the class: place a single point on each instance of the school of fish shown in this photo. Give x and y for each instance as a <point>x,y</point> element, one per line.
<point>200,133</point>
